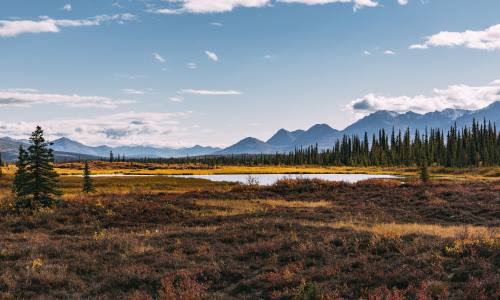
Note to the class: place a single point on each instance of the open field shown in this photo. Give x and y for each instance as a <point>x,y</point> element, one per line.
<point>173,238</point>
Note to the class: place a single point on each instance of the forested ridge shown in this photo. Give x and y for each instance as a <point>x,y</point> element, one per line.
<point>477,145</point>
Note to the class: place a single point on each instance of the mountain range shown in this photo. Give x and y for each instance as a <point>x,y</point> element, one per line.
<point>283,140</point>
<point>326,136</point>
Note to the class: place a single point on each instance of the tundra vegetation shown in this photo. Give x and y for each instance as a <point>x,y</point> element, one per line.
<point>175,238</point>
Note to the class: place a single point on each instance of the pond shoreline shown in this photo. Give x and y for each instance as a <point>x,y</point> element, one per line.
<point>261,179</point>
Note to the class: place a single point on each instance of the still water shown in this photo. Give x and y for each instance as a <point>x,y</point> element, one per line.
<point>268,179</point>
<point>265,179</point>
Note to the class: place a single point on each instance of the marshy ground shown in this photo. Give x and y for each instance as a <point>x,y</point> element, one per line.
<point>174,238</point>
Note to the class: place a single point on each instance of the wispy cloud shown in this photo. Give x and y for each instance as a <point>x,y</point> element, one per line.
<point>191,65</point>
<point>454,96</point>
<point>389,52</point>
<point>212,56</point>
<point>176,99</point>
<point>29,97</point>
<point>164,11</point>
<point>159,58</point>
<point>67,7</point>
<point>133,92</point>
<point>13,28</point>
<point>358,4</point>
<point>216,24</point>
<point>211,92</point>
<point>487,39</point>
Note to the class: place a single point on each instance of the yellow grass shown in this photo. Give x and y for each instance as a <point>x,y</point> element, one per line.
<point>401,229</point>
<point>486,173</point>
<point>103,168</point>
<point>238,207</point>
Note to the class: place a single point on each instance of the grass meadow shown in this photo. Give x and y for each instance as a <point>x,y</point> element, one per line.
<point>175,238</point>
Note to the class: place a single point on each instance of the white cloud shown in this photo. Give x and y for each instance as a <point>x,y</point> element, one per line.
<point>212,56</point>
<point>454,96</point>
<point>216,24</point>
<point>222,6</point>
<point>164,11</point>
<point>389,52</point>
<point>159,58</point>
<point>358,4</point>
<point>191,65</point>
<point>28,98</point>
<point>495,82</point>
<point>159,129</point>
<point>67,7</point>
<point>488,39</point>
<point>133,92</point>
<point>48,25</point>
<point>211,92</point>
<point>176,99</point>
<point>219,6</point>
<point>366,52</point>
<point>268,56</point>
<point>403,2</point>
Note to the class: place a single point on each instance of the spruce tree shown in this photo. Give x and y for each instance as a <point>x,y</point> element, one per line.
<point>19,186</point>
<point>41,181</point>
<point>424,172</point>
<point>88,186</point>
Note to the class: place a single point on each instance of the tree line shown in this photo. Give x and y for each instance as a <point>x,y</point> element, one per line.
<point>477,145</point>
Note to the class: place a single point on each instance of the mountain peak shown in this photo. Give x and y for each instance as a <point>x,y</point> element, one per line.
<point>321,126</point>
<point>282,138</point>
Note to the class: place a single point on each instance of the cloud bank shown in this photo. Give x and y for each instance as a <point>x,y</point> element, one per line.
<point>114,130</point>
<point>454,96</point>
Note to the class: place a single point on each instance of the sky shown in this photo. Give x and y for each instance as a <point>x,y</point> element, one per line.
<point>210,72</point>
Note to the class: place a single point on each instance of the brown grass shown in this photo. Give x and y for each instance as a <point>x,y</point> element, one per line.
<point>187,239</point>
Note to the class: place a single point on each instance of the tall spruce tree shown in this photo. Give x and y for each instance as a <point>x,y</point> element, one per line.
<point>41,183</point>
<point>88,186</point>
<point>19,186</point>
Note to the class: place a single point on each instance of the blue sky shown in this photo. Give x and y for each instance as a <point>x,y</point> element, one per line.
<point>180,73</point>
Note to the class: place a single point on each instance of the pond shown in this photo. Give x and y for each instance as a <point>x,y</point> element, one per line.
<point>268,179</point>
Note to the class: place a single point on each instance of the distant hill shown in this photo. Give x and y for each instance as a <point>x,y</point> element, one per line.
<point>283,140</point>
<point>67,149</point>
<point>248,146</point>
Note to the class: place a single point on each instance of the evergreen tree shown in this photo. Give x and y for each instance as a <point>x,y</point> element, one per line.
<point>111,157</point>
<point>19,186</point>
<point>424,172</point>
<point>88,186</point>
<point>41,181</point>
